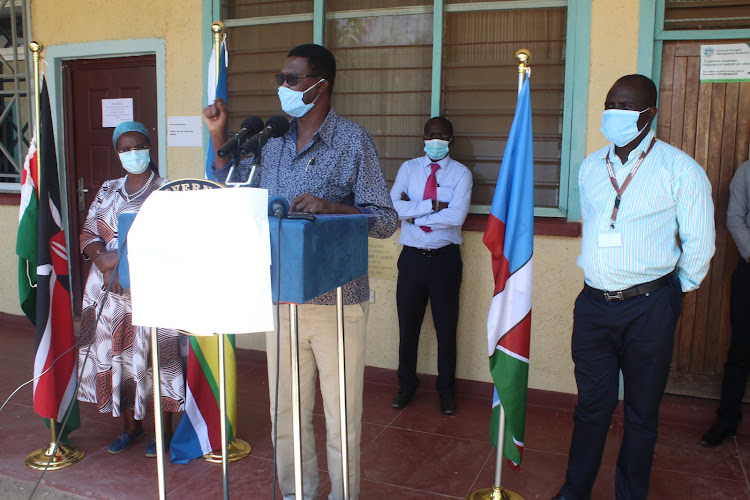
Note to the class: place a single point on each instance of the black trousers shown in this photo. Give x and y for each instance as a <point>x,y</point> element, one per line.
<point>737,367</point>
<point>437,278</point>
<point>636,336</point>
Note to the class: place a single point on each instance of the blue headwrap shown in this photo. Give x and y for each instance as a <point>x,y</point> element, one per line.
<point>129,127</point>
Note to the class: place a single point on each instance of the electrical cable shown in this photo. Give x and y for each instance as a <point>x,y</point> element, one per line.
<point>85,360</point>
<point>83,337</point>
<point>278,338</point>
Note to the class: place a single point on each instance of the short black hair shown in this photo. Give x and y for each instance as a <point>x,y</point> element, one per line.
<point>319,58</point>
<point>645,83</point>
<point>442,120</point>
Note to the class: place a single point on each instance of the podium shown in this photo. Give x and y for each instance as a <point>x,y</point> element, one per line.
<point>308,258</point>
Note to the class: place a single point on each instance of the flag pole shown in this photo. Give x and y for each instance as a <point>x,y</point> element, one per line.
<point>238,448</point>
<point>55,456</point>
<point>497,492</point>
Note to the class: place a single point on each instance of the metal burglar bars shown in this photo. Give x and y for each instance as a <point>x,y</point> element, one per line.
<point>15,105</point>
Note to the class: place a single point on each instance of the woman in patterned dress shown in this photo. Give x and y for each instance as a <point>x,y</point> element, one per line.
<point>115,359</point>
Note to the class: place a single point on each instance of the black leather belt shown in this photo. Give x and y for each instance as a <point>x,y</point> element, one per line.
<point>631,292</point>
<point>432,252</point>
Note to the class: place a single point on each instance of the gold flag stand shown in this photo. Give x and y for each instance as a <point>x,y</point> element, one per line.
<point>497,492</point>
<point>56,456</point>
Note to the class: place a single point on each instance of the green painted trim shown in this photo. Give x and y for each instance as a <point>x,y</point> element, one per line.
<point>505,5</point>
<point>656,76</point>
<point>549,212</point>
<point>437,56</point>
<point>575,107</point>
<point>538,211</point>
<point>319,22</point>
<point>702,34</point>
<point>264,20</point>
<point>658,17</point>
<point>646,30</point>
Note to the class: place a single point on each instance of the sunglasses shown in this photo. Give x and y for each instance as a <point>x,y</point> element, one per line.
<point>291,79</point>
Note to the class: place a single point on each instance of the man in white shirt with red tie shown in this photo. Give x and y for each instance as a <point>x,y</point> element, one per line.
<point>432,195</point>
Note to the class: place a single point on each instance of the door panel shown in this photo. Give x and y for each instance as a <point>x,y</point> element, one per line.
<point>710,122</point>
<point>90,156</point>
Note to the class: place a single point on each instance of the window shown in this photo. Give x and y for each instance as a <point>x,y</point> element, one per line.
<point>480,87</point>
<point>15,104</point>
<point>706,14</point>
<point>385,80</point>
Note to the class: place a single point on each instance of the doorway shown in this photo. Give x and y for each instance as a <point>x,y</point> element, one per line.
<point>90,158</point>
<point>711,123</point>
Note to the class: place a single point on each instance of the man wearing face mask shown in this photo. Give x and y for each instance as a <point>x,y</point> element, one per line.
<point>432,195</point>
<point>648,237</point>
<point>324,164</point>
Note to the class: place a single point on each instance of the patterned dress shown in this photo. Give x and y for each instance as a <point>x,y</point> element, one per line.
<point>117,375</point>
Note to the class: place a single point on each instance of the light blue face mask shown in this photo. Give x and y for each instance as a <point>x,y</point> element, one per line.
<point>135,161</point>
<point>620,126</point>
<point>292,103</point>
<point>436,149</point>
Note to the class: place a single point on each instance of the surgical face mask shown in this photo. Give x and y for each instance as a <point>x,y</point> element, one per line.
<point>620,126</point>
<point>436,149</point>
<point>135,161</point>
<point>292,103</point>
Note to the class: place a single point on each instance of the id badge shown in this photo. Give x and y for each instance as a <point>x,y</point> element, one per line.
<point>609,239</point>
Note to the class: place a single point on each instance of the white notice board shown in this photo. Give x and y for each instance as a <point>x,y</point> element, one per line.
<point>728,62</point>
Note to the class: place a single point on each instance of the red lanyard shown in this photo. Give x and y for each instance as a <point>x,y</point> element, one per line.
<point>619,190</point>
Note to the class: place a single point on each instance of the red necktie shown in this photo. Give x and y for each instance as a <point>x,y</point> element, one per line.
<point>430,191</point>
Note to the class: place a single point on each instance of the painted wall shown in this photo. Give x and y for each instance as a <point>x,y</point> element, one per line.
<point>557,279</point>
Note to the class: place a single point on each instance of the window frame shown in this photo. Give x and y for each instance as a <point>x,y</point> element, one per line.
<point>575,95</point>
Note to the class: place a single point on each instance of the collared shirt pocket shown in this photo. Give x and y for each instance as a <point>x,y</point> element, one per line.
<point>445,193</point>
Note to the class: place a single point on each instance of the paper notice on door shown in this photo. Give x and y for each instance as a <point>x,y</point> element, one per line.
<point>729,62</point>
<point>116,111</point>
<point>185,131</point>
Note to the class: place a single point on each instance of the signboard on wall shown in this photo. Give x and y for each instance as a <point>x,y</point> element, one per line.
<point>383,258</point>
<point>728,62</point>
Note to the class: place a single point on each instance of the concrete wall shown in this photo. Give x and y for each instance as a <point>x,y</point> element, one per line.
<point>557,279</point>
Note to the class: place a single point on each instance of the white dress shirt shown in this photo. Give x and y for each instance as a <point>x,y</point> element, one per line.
<point>668,198</point>
<point>454,187</point>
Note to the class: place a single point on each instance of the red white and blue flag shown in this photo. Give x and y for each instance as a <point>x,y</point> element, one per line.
<point>510,238</point>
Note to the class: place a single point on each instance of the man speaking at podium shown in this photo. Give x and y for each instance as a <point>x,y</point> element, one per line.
<point>324,164</point>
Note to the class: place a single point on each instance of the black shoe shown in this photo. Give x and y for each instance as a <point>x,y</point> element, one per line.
<point>448,404</point>
<point>402,398</point>
<point>716,435</point>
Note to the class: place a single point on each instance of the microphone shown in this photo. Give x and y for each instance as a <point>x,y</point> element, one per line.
<point>252,125</point>
<point>278,206</point>
<point>276,126</point>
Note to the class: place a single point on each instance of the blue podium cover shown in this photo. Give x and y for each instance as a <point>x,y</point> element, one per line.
<point>124,221</point>
<point>316,256</point>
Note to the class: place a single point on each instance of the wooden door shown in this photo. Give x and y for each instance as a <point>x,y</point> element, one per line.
<point>711,123</point>
<point>90,158</point>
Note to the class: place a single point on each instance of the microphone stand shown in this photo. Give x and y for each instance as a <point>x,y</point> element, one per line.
<point>253,166</point>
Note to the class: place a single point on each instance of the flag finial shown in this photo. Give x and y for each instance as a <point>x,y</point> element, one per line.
<point>523,56</point>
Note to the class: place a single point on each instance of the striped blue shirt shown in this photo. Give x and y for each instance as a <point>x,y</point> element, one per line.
<point>669,198</point>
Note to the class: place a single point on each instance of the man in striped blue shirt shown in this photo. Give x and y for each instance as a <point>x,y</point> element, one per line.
<point>648,237</point>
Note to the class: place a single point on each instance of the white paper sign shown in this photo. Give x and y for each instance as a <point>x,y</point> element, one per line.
<point>116,111</point>
<point>185,131</point>
<point>200,261</point>
<point>728,62</point>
